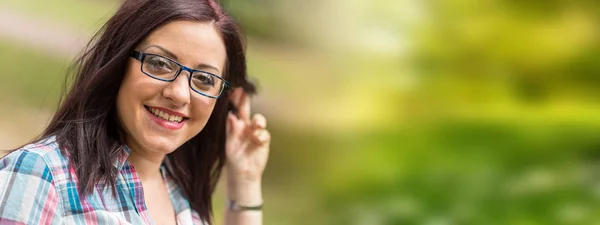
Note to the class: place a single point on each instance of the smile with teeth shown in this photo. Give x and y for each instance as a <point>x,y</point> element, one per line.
<point>165,116</point>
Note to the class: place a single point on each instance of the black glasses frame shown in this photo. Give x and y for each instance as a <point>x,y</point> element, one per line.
<point>142,55</point>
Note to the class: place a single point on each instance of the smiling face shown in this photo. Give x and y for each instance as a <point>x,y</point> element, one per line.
<point>160,116</point>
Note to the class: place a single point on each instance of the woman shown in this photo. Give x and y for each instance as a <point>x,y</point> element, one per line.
<point>158,106</point>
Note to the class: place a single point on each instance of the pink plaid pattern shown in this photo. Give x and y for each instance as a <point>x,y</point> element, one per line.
<point>37,186</point>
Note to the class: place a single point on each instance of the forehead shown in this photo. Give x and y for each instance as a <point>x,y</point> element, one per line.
<point>191,42</point>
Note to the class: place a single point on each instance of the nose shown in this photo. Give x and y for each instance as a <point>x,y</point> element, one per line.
<point>178,91</point>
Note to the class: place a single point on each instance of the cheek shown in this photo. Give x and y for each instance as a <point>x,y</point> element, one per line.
<point>138,87</point>
<point>133,91</point>
<point>126,112</point>
<point>202,108</point>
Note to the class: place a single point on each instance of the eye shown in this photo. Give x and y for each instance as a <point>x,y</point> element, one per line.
<point>158,65</point>
<point>203,79</point>
<point>204,82</point>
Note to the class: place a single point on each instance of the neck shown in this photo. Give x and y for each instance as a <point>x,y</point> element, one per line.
<point>146,164</point>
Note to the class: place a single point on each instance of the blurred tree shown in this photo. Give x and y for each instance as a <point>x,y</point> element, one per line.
<point>275,21</point>
<point>538,51</point>
<point>480,144</point>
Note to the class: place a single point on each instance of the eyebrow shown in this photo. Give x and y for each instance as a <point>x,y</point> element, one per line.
<point>173,56</point>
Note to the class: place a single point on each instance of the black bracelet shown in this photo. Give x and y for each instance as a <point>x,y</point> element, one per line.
<point>235,207</point>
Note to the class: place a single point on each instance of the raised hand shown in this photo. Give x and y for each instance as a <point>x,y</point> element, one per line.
<point>247,149</point>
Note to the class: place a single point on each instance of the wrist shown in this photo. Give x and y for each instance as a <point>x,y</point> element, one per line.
<point>233,205</point>
<point>245,192</point>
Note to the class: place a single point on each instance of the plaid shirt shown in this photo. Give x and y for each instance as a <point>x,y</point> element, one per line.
<point>35,188</point>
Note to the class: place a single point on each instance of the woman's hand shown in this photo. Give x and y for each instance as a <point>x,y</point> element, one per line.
<point>247,149</point>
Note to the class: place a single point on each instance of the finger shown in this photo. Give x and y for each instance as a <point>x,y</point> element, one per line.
<point>259,121</point>
<point>236,126</point>
<point>230,123</point>
<point>244,107</point>
<point>261,136</point>
<point>234,98</point>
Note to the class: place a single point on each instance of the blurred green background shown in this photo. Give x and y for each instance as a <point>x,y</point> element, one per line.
<point>382,112</point>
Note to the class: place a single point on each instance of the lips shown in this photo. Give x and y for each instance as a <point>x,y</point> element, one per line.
<point>165,115</point>
<point>165,118</point>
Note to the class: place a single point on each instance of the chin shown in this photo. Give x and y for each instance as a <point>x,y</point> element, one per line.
<point>162,145</point>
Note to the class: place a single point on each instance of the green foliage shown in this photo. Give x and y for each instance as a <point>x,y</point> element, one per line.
<point>468,172</point>
<point>31,77</point>
<point>84,15</point>
<point>540,50</point>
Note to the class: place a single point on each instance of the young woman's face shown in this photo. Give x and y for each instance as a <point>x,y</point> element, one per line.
<point>143,102</point>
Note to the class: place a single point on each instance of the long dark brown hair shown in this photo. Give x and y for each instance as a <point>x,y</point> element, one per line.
<point>86,126</point>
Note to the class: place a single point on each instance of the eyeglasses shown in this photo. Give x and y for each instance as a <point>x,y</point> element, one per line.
<point>165,69</point>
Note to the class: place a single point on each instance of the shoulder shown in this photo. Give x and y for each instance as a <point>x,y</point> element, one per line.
<point>28,194</point>
<point>34,159</point>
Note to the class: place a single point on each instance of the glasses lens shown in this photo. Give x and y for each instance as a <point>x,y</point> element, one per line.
<point>159,67</point>
<point>206,83</point>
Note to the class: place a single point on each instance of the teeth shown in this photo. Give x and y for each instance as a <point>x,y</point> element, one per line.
<point>166,116</point>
